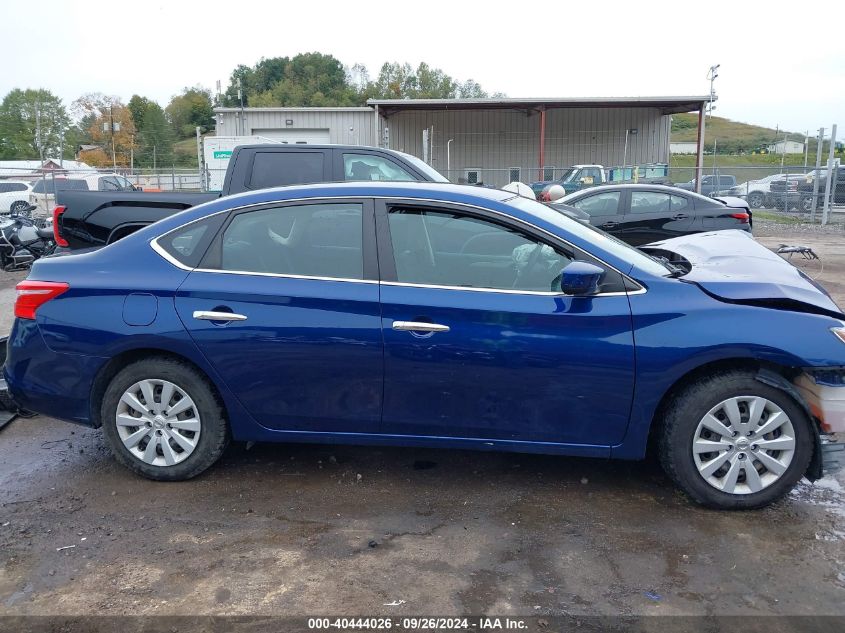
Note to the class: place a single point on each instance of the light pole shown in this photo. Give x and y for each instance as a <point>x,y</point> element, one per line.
<point>711,75</point>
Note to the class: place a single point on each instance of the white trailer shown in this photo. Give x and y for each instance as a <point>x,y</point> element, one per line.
<point>216,152</point>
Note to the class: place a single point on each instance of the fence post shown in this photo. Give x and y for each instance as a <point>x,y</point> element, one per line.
<point>816,178</point>
<point>829,181</point>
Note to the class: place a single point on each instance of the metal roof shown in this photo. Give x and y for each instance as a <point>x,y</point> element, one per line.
<point>667,105</point>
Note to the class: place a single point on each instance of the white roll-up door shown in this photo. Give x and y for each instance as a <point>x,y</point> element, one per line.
<point>294,136</point>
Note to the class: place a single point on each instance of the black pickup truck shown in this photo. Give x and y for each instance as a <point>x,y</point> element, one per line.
<point>85,219</point>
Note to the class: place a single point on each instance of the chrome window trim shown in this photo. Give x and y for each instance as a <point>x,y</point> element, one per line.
<point>284,275</point>
<point>164,254</point>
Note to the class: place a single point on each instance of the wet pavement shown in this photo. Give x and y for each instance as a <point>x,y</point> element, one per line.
<point>309,530</point>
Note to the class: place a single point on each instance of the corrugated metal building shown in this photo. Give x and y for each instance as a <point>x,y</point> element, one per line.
<point>342,126</point>
<point>494,141</point>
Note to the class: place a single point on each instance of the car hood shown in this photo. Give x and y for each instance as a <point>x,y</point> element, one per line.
<point>734,267</point>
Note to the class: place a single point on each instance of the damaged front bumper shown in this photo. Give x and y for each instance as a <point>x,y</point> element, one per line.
<point>824,392</point>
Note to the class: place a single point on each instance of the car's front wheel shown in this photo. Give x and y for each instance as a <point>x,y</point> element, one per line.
<point>755,200</point>
<point>163,420</point>
<point>732,442</point>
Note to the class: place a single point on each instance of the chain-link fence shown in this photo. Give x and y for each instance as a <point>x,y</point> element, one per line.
<point>24,188</point>
<point>799,191</point>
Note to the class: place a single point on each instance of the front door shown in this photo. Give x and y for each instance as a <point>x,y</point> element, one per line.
<point>285,306</point>
<point>481,343</point>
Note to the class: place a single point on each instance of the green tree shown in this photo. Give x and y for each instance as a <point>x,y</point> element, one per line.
<point>138,107</point>
<point>155,139</point>
<point>19,115</point>
<point>190,109</point>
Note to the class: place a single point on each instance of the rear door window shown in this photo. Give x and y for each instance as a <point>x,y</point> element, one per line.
<point>650,202</point>
<point>310,240</point>
<point>277,169</point>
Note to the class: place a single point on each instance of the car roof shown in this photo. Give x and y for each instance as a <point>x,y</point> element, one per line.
<point>309,146</point>
<point>631,186</point>
<point>405,189</point>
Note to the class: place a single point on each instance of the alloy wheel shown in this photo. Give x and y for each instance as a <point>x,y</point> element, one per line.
<point>158,422</point>
<point>743,445</point>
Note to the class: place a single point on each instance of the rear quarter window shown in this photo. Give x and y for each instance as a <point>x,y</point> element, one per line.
<point>188,244</point>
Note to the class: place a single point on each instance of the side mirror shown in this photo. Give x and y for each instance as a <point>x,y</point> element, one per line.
<point>581,278</point>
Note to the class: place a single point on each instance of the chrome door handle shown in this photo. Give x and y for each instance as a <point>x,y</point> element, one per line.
<point>419,326</point>
<point>680,216</point>
<point>209,315</point>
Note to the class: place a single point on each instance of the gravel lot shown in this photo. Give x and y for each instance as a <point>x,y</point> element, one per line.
<point>306,530</point>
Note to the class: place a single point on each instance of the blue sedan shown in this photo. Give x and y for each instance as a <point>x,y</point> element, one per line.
<point>436,315</point>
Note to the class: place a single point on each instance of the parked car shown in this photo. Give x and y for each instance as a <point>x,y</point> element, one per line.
<point>756,192</point>
<point>573,179</point>
<point>439,315</point>
<point>14,195</point>
<point>85,219</point>
<point>639,214</point>
<point>805,188</point>
<point>783,192</point>
<point>43,194</point>
<point>711,185</point>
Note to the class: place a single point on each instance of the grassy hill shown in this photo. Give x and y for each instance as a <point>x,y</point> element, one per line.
<point>733,136</point>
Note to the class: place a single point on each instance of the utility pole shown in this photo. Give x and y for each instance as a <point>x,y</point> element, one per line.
<point>38,142</point>
<point>111,126</point>
<point>711,75</point>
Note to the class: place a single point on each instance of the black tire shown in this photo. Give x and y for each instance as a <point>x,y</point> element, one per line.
<point>17,206</point>
<point>807,204</point>
<point>756,200</point>
<point>682,417</point>
<point>214,435</point>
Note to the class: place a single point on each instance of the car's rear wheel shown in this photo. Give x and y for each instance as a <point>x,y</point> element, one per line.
<point>732,442</point>
<point>755,200</point>
<point>163,420</point>
<point>807,204</point>
<point>18,205</point>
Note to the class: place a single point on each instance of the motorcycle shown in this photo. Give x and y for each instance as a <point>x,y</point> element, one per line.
<point>22,241</point>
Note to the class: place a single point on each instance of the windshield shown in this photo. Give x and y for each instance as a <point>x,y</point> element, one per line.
<point>425,168</point>
<point>609,243</point>
<point>568,174</point>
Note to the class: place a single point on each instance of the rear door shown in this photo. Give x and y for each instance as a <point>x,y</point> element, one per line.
<point>652,215</point>
<point>285,306</point>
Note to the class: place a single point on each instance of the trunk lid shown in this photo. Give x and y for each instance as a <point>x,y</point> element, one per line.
<point>732,266</point>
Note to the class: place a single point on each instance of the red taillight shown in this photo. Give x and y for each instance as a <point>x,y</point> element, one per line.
<point>57,213</point>
<point>742,217</point>
<point>33,294</point>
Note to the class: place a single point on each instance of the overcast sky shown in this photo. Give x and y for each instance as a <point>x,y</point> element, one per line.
<point>776,67</point>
